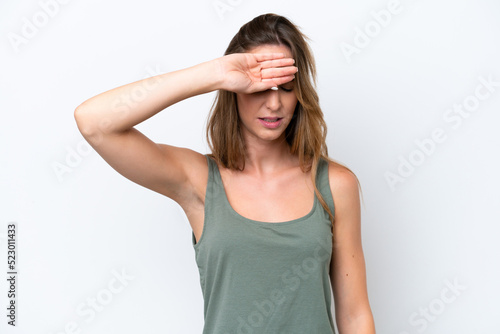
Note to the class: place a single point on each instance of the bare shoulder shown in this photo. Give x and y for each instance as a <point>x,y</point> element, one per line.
<point>342,178</point>
<point>344,187</point>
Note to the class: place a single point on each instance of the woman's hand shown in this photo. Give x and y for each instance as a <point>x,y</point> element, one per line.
<point>253,72</point>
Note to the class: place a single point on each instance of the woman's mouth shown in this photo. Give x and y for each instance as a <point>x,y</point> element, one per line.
<point>271,123</point>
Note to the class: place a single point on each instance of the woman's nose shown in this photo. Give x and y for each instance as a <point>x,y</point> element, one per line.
<point>273,101</point>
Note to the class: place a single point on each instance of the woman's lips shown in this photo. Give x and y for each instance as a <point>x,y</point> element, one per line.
<point>276,121</point>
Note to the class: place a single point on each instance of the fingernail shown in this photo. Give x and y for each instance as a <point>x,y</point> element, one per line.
<point>274,88</point>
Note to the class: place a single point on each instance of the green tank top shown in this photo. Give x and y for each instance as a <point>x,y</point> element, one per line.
<point>260,277</point>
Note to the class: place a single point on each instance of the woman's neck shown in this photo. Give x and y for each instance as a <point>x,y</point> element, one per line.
<point>269,158</point>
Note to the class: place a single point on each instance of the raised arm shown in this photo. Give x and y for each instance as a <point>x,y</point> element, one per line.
<point>108,125</point>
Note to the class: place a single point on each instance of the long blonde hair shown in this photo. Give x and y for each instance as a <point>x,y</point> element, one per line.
<point>306,133</point>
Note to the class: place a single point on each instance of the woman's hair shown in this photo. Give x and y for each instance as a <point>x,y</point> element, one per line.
<point>306,133</point>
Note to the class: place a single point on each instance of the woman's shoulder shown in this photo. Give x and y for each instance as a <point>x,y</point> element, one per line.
<point>342,179</point>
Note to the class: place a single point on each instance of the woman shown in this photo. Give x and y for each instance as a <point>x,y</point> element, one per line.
<point>267,260</point>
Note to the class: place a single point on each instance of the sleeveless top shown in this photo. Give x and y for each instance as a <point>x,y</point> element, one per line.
<point>265,277</point>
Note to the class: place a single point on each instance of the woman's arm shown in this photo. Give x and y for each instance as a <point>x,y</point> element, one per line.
<point>347,271</point>
<point>107,123</point>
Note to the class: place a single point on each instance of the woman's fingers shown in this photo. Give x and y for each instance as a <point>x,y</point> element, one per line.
<point>259,71</point>
<point>278,81</point>
<point>272,68</point>
<point>268,73</point>
<point>268,56</point>
<point>277,63</point>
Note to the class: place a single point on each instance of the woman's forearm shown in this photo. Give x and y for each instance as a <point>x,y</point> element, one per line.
<point>362,324</point>
<point>121,108</point>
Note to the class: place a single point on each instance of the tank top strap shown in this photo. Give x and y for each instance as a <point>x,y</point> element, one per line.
<point>215,188</point>
<point>323,183</point>
<point>213,194</point>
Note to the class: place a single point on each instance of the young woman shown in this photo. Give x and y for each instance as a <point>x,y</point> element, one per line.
<point>276,222</point>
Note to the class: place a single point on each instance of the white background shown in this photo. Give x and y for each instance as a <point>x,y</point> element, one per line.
<point>79,221</point>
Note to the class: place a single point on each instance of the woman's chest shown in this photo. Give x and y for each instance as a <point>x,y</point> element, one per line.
<point>280,199</point>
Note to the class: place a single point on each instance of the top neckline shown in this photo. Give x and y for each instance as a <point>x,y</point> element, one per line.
<point>258,222</point>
